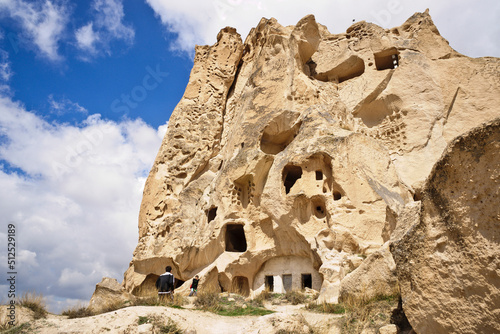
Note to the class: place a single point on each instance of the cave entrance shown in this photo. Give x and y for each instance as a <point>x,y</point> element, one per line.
<point>269,283</point>
<point>280,132</point>
<point>306,281</point>
<point>291,174</point>
<point>147,288</point>
<point>235,238</point>
<point>178,283</point>
<point>387,59</point>
<point>336,195</point>
<point>212,213</point>
<point>240,285</point>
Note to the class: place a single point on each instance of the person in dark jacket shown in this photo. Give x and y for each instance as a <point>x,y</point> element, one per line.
<point>165,284</point>
<point>194,286</point>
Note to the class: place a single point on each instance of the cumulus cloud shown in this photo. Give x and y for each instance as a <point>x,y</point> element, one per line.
<point>107,26</point>
<point>455,19</point>
<point>43,22</point>
<point>73,193</point>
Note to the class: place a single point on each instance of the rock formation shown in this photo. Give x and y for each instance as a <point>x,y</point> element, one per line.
<point>109,292</point>
<point>294,155</point>
<point>448,263</point>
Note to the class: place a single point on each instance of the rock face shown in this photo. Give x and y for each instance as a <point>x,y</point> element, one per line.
<point>109,292</point>
<point>448,264</point>
<point>294,155</point>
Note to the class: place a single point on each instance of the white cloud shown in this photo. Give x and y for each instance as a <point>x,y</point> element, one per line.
<point>470,26</point>
<point>64,106</point>
<point>73,194</point>
<point>43,22</point>
<point>86,37</point>
<point>109,17</point>
<point>5,71</point>
<point>107,26</point>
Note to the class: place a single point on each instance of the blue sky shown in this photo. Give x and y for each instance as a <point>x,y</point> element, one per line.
<point>86,91</point>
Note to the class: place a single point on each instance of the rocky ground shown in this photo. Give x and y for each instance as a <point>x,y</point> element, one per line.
<point>286,318</point>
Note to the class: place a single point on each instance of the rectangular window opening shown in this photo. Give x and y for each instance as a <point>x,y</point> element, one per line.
<point>306,281</point>
<point>269,283</point>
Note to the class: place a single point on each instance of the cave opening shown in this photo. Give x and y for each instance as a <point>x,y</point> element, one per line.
<point>280,132</point>
<point>337,195</point>
<point>387,59</point>
<point>291,174</point>
<point>306,281</point>
<point>240,285</point>
<point>235,238</point>
<point>178,283</point>
<point>212,213</point>
<point>269,283</point>
<point>319,207</point>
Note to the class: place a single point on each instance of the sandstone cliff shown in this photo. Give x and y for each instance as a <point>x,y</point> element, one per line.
<point>292,156</point>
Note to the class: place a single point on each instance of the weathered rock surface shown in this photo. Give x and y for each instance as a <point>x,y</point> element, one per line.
<point>375,276</point>
<point>297,153</point>
<point>109,292</point>
<point>448,263</point>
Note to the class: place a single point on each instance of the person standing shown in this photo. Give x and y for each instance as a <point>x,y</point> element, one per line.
<point>194,286</point>
<point>165,284</point>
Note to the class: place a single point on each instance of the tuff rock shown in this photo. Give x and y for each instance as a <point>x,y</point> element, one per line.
<point>297,153</point>
<point>107,293</point>
<point>448,262</point>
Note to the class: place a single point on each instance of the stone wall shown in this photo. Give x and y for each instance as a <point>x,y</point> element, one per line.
<point>286,273</point>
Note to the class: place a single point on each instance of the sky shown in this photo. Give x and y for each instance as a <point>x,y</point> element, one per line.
<point>86,91</point>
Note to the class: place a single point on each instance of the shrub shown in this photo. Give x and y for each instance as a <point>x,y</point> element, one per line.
<point>19,329</point>
<point>159,326</point>
<point>295,297</point>
<point>34,302</point>
<point>147,301</point>
<point>77,312</point>
<point>228,306</point>
<point>326,308</point>
<point>111,306</point>
<point>208,301</point>
<point>170,328</point>
<point>368,313</point>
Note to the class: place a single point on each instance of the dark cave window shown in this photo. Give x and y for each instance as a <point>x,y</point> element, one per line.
<point>235,238</point>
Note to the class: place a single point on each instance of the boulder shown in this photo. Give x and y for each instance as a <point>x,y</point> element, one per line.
<point>109,293</point>
<point>448,262</point>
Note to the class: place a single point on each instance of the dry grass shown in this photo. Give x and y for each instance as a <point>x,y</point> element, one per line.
<point>326,308</point>
<point>83,311</point>
<point>19,329</point>
<point>208,301</point>
<point>159,325</point>
<point>230,305</point>
<point>146,291</point>
<point>35,302</point>
<point>372,313</point>
<point>32,301</point>
<point>77,312</point>
<point>295,297</point>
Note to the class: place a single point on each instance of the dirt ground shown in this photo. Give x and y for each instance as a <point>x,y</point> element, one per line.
<point>150,319</point>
